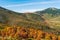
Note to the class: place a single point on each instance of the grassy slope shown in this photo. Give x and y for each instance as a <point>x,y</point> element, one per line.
<point>52,15</point>
<point>26,20</point>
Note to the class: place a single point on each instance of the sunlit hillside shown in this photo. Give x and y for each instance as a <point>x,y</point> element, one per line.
<point>39,25</point>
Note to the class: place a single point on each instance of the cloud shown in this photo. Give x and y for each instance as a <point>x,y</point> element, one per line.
<point>30,10</point>
<point>34,3</point>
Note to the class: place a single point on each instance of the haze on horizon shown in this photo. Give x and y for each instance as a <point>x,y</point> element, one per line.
<point>29,5</point>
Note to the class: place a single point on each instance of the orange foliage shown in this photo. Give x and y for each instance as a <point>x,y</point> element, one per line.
<point>58,37</point>
<point>27,33</point>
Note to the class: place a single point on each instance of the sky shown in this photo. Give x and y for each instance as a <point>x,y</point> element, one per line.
<point>29,5</point>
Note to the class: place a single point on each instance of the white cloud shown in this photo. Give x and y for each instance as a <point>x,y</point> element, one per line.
<point>34,3</point>
<point>30,10</point>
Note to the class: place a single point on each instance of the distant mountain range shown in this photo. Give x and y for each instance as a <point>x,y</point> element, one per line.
<point>47,20</point>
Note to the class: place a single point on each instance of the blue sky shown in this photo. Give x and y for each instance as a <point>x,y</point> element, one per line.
<point>29,5</point>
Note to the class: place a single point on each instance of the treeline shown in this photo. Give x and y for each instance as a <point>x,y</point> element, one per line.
<point>19,33</point>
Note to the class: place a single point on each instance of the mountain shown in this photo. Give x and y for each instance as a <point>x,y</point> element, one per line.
<point>53,11</point>
<point>39,20</point>
<point>50,12</point>
<point>52,16</point>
